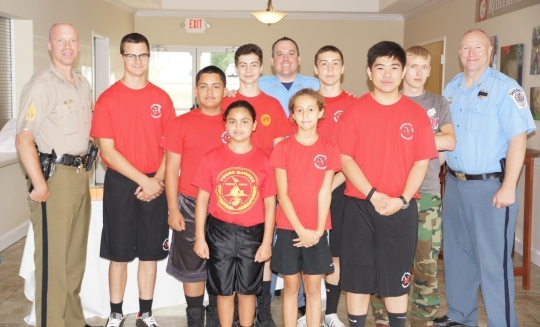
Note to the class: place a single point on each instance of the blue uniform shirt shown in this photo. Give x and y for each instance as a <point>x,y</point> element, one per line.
<point>273,87</point>
<point>485,117</point>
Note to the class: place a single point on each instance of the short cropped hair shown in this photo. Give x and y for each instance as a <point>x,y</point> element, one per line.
<point>417,51</point>
<point>309,92</point>
<point>133,38</point>
<point>329,48</point>
<point>211,70</point>
<point>247,49</point>
<point>386,49</point>
<point>240,104</point>
<point>285,39</point>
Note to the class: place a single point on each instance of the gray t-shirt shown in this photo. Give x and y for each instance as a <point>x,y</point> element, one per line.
<point>438,112</point>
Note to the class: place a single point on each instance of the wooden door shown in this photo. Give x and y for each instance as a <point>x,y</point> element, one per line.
<point>435,79</point>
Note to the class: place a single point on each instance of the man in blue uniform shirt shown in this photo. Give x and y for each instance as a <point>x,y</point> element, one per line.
<point>491,121</point>
<point>287,81</point>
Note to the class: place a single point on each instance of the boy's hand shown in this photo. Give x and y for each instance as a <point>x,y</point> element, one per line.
<point>176,221</point>
<point>201,249</point>
<point>263,253</point>
<point>152,188</point>
<point>378,201</point>
<point>393,205</point>
<point>306,238</point>
<point>231,93</point>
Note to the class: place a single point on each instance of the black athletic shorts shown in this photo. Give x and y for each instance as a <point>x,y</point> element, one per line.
<point>132,228</point>
<point>337,211</point>
<point>288,259</point>
<point>184,264</point>
<point>377,251</point>
<point>231,266</point>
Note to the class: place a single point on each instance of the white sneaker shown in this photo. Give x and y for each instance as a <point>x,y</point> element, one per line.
<point>145,320</point>
<point>115,320</point>
<point>301,322</point>
<point>332,320</point>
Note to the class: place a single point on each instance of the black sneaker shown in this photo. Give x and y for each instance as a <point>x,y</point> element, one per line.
<point>195,316</point>
<point>212,319</point>
<point>263,315</point>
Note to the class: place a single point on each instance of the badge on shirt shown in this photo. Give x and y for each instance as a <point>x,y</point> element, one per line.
<point>30,113</point>
<point>482,93</point>
<point>266,119</point>
<point>518,97</point>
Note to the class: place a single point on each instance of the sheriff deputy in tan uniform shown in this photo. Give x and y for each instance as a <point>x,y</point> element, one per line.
<point>55,113</point>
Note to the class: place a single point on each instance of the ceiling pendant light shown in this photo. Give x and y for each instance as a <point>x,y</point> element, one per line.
<point>269,16</point>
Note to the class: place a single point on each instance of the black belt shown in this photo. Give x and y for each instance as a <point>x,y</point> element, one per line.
<point>479,177</point>
<point>69,160</point>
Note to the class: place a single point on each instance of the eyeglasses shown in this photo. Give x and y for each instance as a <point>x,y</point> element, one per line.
<point>143,57</point>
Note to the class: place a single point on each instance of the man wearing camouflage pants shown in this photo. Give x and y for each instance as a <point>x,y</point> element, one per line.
<point>425,297</point>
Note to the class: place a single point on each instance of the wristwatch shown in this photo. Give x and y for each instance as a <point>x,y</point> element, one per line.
<point>405,203</point>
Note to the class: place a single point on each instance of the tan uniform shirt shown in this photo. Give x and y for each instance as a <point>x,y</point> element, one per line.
<point>57,113</point>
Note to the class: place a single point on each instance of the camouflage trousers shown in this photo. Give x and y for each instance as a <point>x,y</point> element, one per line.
<point>425,296</point>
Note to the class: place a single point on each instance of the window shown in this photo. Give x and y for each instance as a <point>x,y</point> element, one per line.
<point>6,96</point>
<point>174,70</point>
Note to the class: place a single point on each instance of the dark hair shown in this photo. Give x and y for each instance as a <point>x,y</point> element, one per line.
<point>309,92</point>
<point>329,48</point>
<point>240,104</point>
<point>386,49</point>
<point>211,70</point>
<point>247,49</point>
<point>285,39</point>
<point>134,38</point>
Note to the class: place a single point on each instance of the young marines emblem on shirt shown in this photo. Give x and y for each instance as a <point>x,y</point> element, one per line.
<point>320,161</point>
<point>237,190</point>
<point>155,110</point>
<point>407,131</point>
<point>337,114</point>
<point>266,119</point>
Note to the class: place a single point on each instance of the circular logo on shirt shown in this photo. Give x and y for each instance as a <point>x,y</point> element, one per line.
<point>320,161</point>
<point>155,110</point>
<point>225,137</point>
<point>337,115</point>
<point>407,131</point>
<point>237,190</point>
<point>406,280</point>
<point>266,119</point>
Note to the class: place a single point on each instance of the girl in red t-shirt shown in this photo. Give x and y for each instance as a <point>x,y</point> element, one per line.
<point>304,168</point>
<point>239,184</point>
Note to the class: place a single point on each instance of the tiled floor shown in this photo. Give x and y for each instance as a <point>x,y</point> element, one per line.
<point>14,306</point>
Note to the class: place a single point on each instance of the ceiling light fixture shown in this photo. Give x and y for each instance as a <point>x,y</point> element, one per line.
<point>269,16</point>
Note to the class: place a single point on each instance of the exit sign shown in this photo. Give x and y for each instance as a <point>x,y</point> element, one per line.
<point>195,25</point>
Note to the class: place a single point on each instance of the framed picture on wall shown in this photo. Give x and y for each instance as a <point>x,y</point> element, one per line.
<point>495,52</point>
<point>512,61</point>
<point>535,102</point>
<point>535,51</point>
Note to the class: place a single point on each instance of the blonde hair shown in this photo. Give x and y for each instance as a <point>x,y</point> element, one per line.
<point>417,51</point>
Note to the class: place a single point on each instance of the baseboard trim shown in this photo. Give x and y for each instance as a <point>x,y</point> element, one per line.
<point>535,253</point>
<point>13,235</point>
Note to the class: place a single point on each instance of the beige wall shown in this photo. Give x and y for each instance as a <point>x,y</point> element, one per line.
<point>353,38</point>
<point>451,19</point>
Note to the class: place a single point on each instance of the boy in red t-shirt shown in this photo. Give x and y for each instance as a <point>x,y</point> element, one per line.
<point>386,142</point>
<point>130,118</point>
<point>240,186</point>
<point>305,165</point>
<point>188,138</point>
<point>272,127</point>
<point>329,66</point>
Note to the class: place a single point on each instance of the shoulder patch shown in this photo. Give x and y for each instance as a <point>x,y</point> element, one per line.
<point>30,113</point>
<point>518,97</point>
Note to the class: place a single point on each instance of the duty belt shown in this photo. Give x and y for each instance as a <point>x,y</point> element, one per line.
<point>69,160</point>
<point>467,177</point>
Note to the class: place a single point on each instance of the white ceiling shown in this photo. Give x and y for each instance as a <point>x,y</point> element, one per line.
<point>346,9</point>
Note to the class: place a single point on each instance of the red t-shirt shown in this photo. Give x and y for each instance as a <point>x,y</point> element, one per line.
<point>385,142</point>
<point>136,120</point>
<point>306,167</point>
<point>237,183</point>
<point>271,119</point>
<point>192,135</point>
<point>334,109</point>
